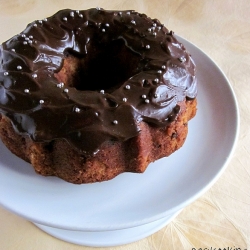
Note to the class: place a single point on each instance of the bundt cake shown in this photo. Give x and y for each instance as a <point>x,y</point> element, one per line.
<point>87,95</point>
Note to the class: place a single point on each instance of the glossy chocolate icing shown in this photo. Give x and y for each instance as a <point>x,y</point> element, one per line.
<point>162,74</point>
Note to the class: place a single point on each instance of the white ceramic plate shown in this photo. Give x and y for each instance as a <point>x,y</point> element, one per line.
<point>132,200</point>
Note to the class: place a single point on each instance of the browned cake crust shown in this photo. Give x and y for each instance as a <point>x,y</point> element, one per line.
<point>60,159</point>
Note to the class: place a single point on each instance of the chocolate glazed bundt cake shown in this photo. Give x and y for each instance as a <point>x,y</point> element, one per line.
<point>87,95</point>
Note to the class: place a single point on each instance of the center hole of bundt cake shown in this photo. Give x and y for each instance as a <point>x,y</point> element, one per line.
<point>105,67</point>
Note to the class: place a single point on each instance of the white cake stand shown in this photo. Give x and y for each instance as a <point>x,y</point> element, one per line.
<point>131,207</point>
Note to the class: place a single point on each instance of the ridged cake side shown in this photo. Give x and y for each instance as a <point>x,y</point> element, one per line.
<point>58,158</point>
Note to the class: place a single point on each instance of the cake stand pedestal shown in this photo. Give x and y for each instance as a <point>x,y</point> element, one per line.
<point>108,238</point>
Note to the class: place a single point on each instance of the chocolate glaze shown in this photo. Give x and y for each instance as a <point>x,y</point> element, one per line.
<point>162,75</point>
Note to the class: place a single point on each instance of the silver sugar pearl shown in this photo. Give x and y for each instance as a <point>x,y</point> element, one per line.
<point>107,24</point>
<point>72,14</point>
<point>77,11</point>
<point>147,47</point>
<point>30,37</point>
<point>124,99</point>
<point>66,90</point>
<point>65,19</point>
<point>98,8</point>
<point>35,25</point>
<point>25,43</point>
<point>6,73</point>
<point>133,22</point>
<point>156,80</point>
<point>128,13</point>
<point>34,75</point>
<point>102,91</point>
<point>163,67</point>
<point>159,71</point>
<point>41,101</point>
<point>154,33</point>
<point>144,96</point>
<point>26,38</point>
<point>154,24</point>
<point>127,87</point>
<point>103,30</point>
<point>60,85</point>
<point>182,59</point>
<point>77,110</point>
<point>40,21</point>
<point>146,101</point>
<point>156,95</point>
<point>13,50</point>
<point>19,67</point>
<point>149,29</point>
<point>115,122</point>
<point>23,35</point>
<point>45,19</point>
<point>30,42</point>
<point>81,15</point>
<point>26,91</point>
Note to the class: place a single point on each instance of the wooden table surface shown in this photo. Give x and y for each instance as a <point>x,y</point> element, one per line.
<point>221,217</point>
